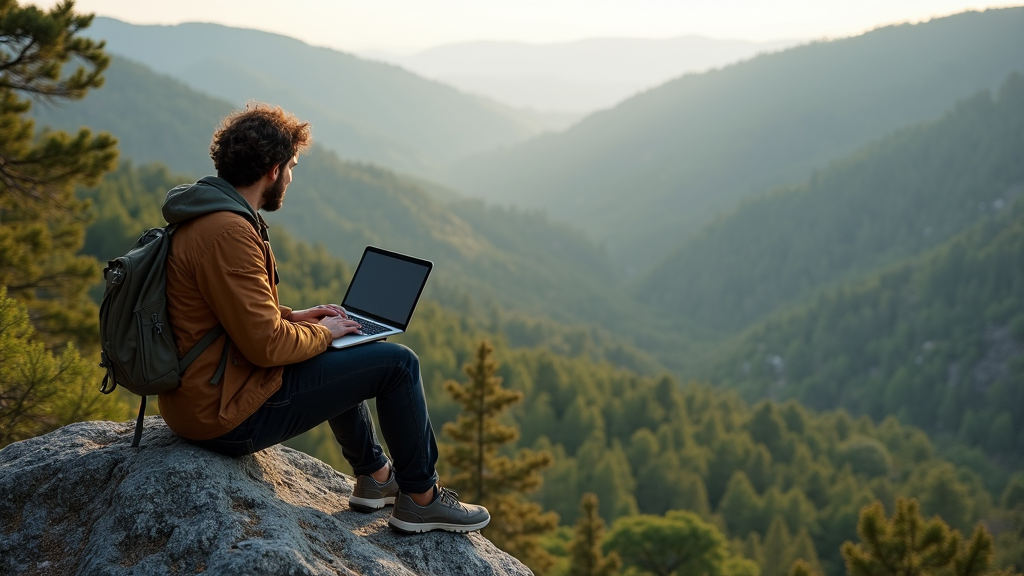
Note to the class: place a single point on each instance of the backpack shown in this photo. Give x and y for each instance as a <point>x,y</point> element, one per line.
<point>137,347</point>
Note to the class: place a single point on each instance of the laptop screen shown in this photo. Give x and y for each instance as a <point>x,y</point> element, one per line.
<point>387,285</point>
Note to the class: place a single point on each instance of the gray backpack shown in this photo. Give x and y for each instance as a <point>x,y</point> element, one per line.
<point>138,348</point>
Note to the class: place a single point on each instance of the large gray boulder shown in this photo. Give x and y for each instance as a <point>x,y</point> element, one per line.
<point>81,500</point>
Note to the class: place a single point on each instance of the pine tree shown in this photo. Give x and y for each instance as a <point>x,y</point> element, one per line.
<point>777,544</point>
<point>493,480</point>
<point>585,549</point>
<point>907,545</point>
<point>43,225</point>
<point>740,505</point>
<point>41,391</point>
<point>802,549</point>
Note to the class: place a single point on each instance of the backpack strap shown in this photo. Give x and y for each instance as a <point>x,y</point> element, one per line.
<point>223,361</point>
<point>203,344</point>
<point>138,423</point>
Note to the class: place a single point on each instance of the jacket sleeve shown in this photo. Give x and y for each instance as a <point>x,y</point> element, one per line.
<point>232,277</point>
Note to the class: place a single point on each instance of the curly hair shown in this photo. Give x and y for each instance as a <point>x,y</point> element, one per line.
<point>249,143</point>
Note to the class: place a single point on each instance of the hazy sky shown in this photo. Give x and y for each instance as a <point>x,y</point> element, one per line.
<point>411,25</point>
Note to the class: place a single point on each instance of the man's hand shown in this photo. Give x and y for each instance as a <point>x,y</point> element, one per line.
<point>340,326</point>
<point>317,313</point>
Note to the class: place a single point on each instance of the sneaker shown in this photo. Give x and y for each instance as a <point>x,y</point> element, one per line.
<point>444,513</point>
<point>369,495</point>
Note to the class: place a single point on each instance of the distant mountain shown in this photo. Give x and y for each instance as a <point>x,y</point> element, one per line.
<point>155,118</point>
<point>370,205</point>
<point>361,109</point>
<point>515,259</point>
<point>645,175</point>
<point>891,200</point>
<point>519,260</point>
<point>575,77</point>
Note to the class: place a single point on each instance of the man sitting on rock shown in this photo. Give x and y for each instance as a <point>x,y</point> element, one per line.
<point>273,375</point>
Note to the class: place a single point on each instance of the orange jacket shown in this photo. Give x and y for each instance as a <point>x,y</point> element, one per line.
<point>219,269</point>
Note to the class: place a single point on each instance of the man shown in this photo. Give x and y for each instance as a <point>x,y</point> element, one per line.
<point>273,376</point>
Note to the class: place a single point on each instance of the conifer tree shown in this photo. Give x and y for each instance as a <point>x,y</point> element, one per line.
<point>803,549</point>
<point>740,505</point>
<point>907,545</point>
<point>585,549</point>
<point>777,543</point>
<point>41,391</point>
<point>497,481</point>
<point>43,59</point>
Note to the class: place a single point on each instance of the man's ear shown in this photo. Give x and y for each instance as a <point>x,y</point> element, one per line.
<point>274,172</point>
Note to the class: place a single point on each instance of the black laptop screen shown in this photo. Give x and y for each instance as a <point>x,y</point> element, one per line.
<point>387,287</point>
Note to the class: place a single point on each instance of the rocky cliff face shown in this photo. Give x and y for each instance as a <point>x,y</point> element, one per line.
<point>82,501</point>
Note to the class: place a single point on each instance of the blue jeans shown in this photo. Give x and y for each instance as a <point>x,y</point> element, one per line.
<point>334,387</point>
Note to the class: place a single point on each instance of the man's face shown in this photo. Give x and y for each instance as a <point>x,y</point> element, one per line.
<point>273,197</point>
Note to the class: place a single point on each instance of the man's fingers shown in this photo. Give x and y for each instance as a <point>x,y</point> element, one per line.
<point>341,326</point>
<point>328,310</point>
<point>342,321</point>
<point>350,327</point>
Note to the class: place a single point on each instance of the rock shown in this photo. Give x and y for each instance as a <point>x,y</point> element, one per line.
<point>81,500</point>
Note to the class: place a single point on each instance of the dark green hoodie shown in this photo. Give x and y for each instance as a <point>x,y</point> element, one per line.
<point>210,194</point>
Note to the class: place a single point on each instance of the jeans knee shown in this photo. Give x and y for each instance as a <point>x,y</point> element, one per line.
<point>407,357</point>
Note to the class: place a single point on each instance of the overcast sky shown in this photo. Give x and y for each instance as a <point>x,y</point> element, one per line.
<point>407,26</point>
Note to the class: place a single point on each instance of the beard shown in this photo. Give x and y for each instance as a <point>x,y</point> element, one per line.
<point>273,197</point>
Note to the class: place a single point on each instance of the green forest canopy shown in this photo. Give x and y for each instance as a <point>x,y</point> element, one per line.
<point>644,444</point>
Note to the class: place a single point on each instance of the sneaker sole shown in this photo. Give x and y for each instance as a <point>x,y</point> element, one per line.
<point>420,527</point>
<point>369,504</point>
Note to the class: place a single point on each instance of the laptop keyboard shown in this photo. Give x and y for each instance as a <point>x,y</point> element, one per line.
<point>370,328</point>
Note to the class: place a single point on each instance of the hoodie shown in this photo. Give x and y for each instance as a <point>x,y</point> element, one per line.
<point>220,269</point>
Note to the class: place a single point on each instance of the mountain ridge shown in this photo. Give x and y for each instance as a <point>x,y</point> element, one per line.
<point>519,260</point>
<point>644,175</point>
<point>891,200</point>
<point>578,76</point>
<point>340,92</point>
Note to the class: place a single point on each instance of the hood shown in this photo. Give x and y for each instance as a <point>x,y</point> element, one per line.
<point>211,194</point>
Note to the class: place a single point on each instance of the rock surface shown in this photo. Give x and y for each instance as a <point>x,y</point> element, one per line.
<point>81,500</point>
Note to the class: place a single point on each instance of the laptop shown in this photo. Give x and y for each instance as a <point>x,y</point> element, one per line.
<point>383,294</point>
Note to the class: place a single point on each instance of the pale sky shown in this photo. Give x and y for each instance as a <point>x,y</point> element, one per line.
<point>407,26</point>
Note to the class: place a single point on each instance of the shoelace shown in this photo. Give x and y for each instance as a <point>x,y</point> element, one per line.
<point>449,497</point>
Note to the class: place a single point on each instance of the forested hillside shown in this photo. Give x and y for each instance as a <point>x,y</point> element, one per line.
<point>362,109</point>
<point>645,175</point>
<point>516,259</point>
<point>128,202</point>
<point>154,117</point>
<point>781,482</point>
<point>891,200</point>
<point>937,341</point>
